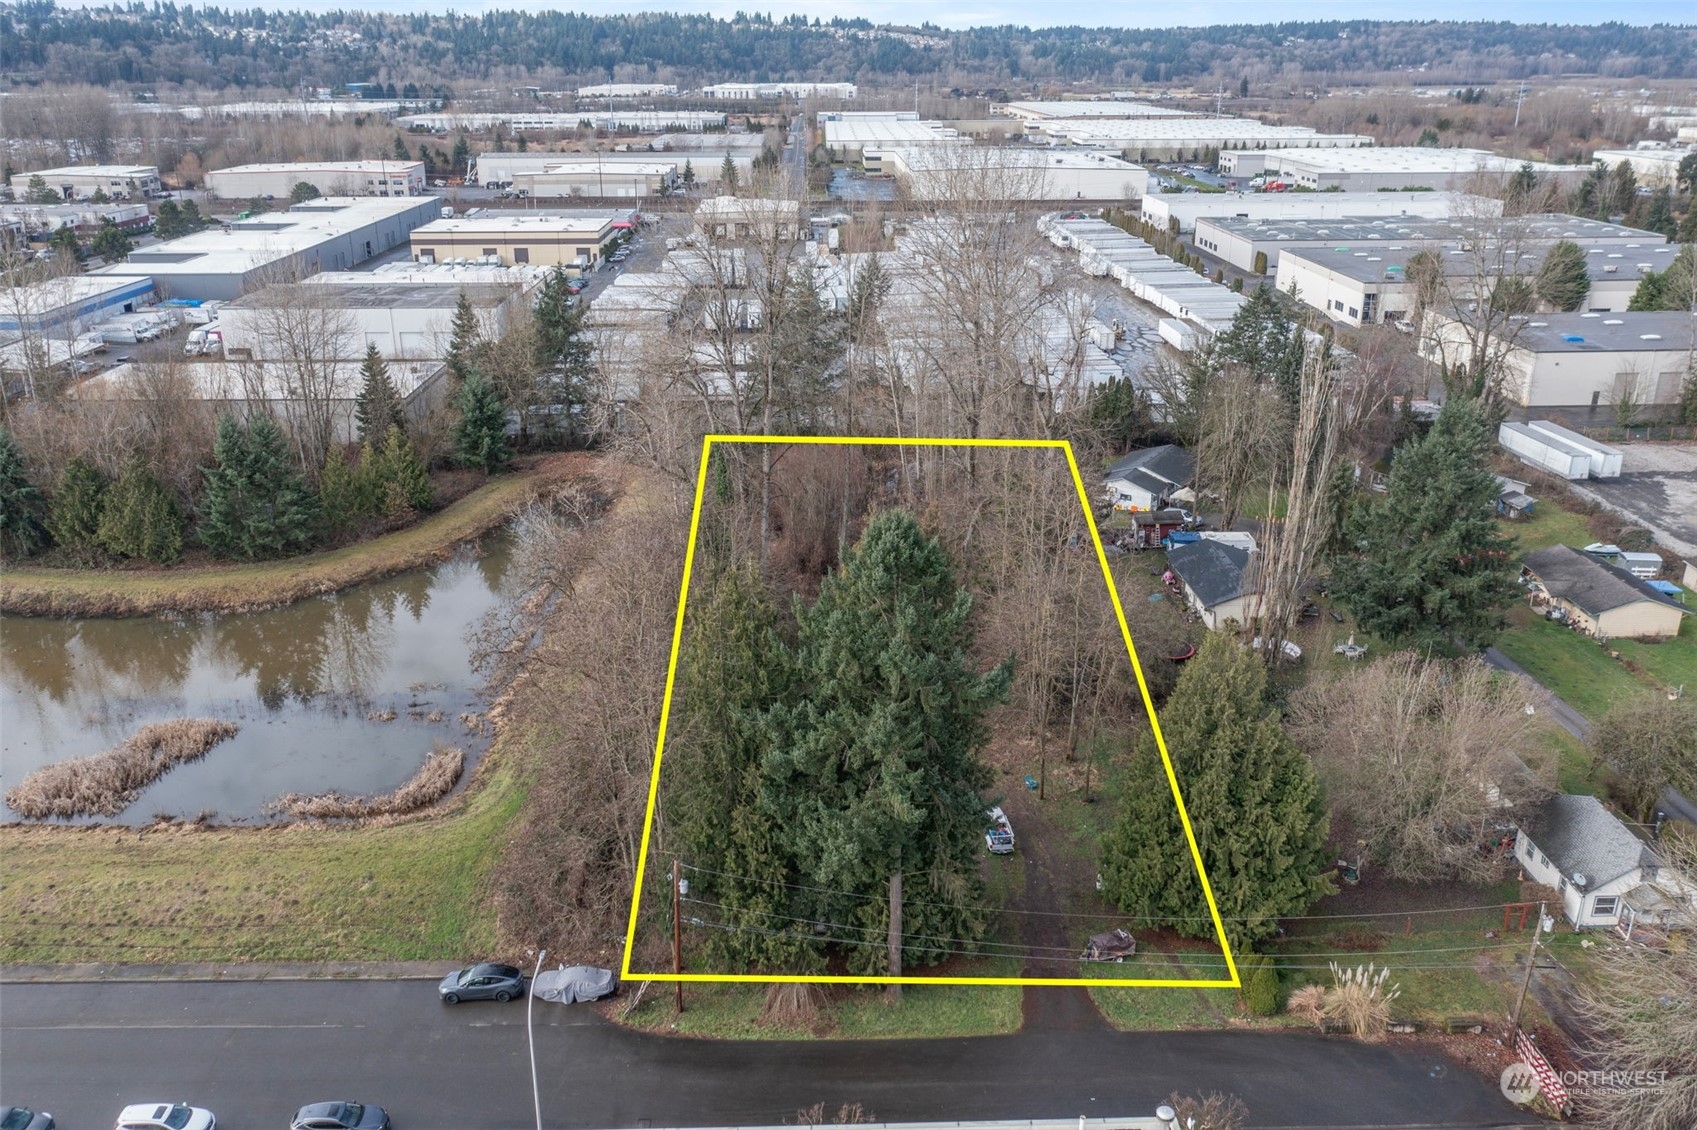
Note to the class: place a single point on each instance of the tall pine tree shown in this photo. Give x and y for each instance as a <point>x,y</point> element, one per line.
<point>74,519</point>
<point>1563,278</point>
<point>1426,563</point>
<point>480,438</point>
<point>463,336</point>
<point>341,495</point>
<point>21,504</point>
<point>563,353</point>
<point>140,518</point>
<point>874,773</point>
<point>257,505</point>
<point>1252,798</point>
<point>404,487</point>
<point>733,668</point>
<point>378,407</point>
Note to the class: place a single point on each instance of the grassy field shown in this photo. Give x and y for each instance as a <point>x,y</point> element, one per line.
<point>405,891</point>
<point>1576,669</point>
<point>732,1011</point>
<point>227,588</point>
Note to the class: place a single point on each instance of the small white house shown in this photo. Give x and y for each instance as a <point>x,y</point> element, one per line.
<point>1584,851</point>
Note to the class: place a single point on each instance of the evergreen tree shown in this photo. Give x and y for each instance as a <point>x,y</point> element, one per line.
<point>193,221</point>
<point>168,223</point>
<point>1251,796</point>
<point>378,406</point>
<point>1266,342</point>
<point>37,192</point>
<point>480,438</point>
<point>688,175</point>
<point>728,175</point>
<point>257,505</point>
<point>21,504</point>
<point>1563,279</point>
<point>463,338</point>
<point>342,497</point>
<point>874,772</point>
<point>1667,289</point>
<point>74,519</point>
<point>111,242</point>
<point>400,149</point>
<point>403,485</point>
<point>1658,217</point>
<point>303,191</point>
<point>140,518</point>
<point>63,242</point>
<point>1426,562</point>
<point>461,155</point>
<point>733,668</point>
<point>563,352</point>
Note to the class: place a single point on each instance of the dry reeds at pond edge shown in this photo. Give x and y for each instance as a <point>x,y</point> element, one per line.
<point>434,780</point>
<point>107,783</point>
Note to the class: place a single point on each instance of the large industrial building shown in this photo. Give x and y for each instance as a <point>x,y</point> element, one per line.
<point>1160,139</point>
<point>71,304</point>
<point>593,175</point>
<point>405,321</point>
<point>1654,167</point>
<point>947,172</point>
<point>1585,360</point>
<point>1254,244</point>
<point>1076,111</point>
<point>641,121</point>
<point>574,241</point>
<point>330,178</point>
<point>733,218</point>
<point>1360,284</point>
<point>606,169</point>
<point>846,138</point>
<point>38,221</point>
<point>754,91</point>
<point>331,234</point>
<point>628,90</point>
<point>1185,209</point>
<point>120,182</point>
<point>1400,167</point>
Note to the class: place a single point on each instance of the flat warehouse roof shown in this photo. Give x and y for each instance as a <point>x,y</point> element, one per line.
<point>1191,129</point>
<point>522,223</point>
<point>379,295</point>
<point>1408,159</point>
<point>1543,226</point>
<point>392,167</point>
<point>1657,331</point>
<point>884,131</point>
<point>92,171</point>
<point>1043,109</point>
<point>1389,263</point>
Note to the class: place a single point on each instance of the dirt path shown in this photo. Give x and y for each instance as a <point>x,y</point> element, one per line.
<point>1050,888</point>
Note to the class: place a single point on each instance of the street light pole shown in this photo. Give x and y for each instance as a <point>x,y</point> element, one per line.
<point>530,1031</point>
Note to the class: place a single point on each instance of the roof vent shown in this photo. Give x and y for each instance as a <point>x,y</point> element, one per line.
<point>1538,325</point>
<point>1610,268</point>
<point>1592,315</point>
<point>1613,322</point>
<point>1571,337</point>
<point>1649,337</point>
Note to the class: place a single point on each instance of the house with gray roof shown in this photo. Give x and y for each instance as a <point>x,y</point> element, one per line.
<point>1150,478</point>
<point>1220,579</point>
<point>1598,866</point>
<point>1600,598</point>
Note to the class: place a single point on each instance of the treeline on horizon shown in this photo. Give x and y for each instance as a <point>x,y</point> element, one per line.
<point>214,48</point>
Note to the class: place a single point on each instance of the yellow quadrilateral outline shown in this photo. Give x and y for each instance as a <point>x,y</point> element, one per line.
<point>1061,445</point>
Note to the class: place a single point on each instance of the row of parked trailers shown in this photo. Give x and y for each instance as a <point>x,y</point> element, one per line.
<point>1559,450</point>
<point>1107,251</point>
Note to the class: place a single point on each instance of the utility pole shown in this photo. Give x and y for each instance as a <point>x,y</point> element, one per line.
<point>1531,963</point>
<point>678,929</point>
<point>1519,98</point>
<point>895,932</point>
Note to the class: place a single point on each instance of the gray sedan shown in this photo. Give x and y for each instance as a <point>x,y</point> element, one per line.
<point>484,982</point>
<point>340,1116</point>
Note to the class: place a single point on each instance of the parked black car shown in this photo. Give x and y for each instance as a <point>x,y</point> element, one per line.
<point>23,1118</point>
<point>487,981</point>
<point>340,1116</point>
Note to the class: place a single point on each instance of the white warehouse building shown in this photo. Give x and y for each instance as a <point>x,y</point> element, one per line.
<point>642,121</point>
<point>1077,111</point>
<point>1029,174</point>
<point>848,138</point>
<point>754,91</point>
<point>405,321</point>
<point>588,175</point>
<point>608,168</point>
<point>628,90</point>
<point>73,182</point>
<point>1166,138</point>
<point>330,178</point>
<point>1396,167</point>
<point>1162,209</point>
<point>331,234</point>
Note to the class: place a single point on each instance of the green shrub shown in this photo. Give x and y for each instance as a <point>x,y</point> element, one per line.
<point>1260,991</point>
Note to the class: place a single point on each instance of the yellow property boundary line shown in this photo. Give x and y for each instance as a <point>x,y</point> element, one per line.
<point>1061,445</point>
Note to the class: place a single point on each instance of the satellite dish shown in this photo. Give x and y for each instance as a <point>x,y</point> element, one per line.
<point>1579,879</point>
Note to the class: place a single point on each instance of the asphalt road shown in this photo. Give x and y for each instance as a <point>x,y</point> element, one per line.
<point>253,1052</point>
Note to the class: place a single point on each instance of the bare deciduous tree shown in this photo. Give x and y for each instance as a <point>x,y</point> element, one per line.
<point>1424,756</point>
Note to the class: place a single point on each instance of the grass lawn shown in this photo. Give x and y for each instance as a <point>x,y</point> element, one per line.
<point>139,592</point>
<point>1579,671</point>
<point>1672,663</point>
<point>732,1011</point>
<point>1549,525</point>
<point>407,891</point>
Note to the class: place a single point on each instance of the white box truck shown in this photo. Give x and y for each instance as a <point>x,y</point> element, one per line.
<point>1605,460</point>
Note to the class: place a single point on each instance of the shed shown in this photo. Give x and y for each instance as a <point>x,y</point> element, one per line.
<point>1603,599</point>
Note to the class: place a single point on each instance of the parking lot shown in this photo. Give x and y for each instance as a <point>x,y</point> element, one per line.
<point>1657,489</point>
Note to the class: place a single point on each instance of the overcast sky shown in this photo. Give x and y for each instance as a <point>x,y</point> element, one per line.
<point>1043,13</point>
